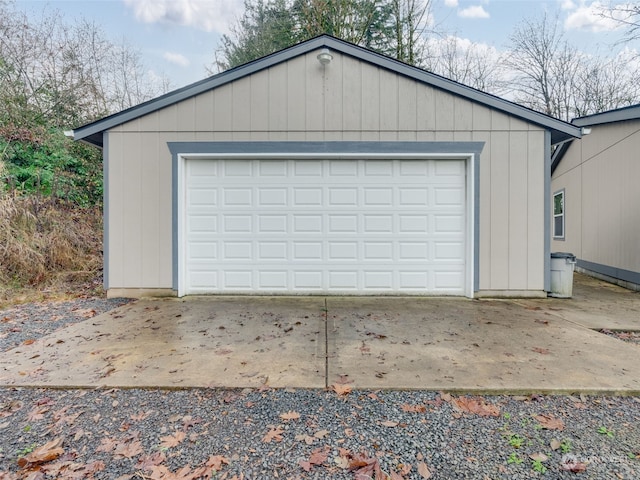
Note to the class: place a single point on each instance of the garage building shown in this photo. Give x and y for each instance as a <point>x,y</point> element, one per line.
<point>326,168</point>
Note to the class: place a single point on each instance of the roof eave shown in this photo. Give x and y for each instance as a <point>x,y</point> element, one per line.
<point>631,112</point>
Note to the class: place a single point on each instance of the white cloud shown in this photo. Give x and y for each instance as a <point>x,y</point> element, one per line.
<point>567,4</point>
<point>589,17</point>
<point>451,3</point>
<point>207,15</point>
<point>475,11</point>
<point>176,59</point>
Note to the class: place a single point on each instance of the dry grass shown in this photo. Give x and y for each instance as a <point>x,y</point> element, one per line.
<point>47,249</point>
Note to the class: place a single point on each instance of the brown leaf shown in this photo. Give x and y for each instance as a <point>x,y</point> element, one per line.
<point>305,438</point>
<point>47,452</point>
<point>128,449</point>
<point>424,470</point>
<point>37,413</point>
<point>215,462</point>
<point>274,434</point>
<point>305,465</point>
<point>318,457</point>
<point>321,433</point>
<point>107,445</point>
<point>476,406</point>
<point>571,464</point>
<point>413,408</point>
<point>539,456</point>
<point>389,423</point>
<point>555,444</point>
<point>290,415</point>
<point>341,389</point>
<point>543,351</point>
<point>28,341</point>
<point>145,462</point>
<point>139,416</point>
<point>172,440</point>
<point>549,422</point>
<point>86,312</point>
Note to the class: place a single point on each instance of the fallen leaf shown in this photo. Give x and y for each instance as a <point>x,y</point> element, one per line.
<point>341,389</point>
<point>305,438</point>
<point>543,351</point>
<point>365,467</point>
<point>413,408</point>
<point>321,433</point>
<point>555,444</point>
<point>47,452</point>
<point>29,341</point>
<point>317,457</point>
<point>273,434</point>
<point>476,406</point>
<point>128,449</point>
<point>290,415</point>
<point>215,462</point>
<point>147,461</point>
<point>389,423</point>
<point>549,422</point>
<point>424,470</point>
<point>107,445</point>
<point>571,464</point>
<point>172,440</point>
<point>140,416</point>
<point>37,413</point>
<point>539,456</point>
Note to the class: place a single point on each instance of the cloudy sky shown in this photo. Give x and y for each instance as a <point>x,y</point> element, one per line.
<point>178,37</point>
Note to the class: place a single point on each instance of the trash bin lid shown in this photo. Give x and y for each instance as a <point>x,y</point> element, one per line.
<point>563,255</point>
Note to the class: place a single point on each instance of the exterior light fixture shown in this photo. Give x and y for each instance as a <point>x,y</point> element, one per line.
<point>324,57</point>
<point>586,130</point>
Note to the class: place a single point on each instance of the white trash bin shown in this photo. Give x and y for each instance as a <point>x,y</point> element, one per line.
<point>562,265</point>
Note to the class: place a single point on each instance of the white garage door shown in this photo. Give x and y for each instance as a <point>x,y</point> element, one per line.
<point>335,226</point>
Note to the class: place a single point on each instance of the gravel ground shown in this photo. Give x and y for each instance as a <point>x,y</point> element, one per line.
<point>300,434</point>
<point>30,321</point>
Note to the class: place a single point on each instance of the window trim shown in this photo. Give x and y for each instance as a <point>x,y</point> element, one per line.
<point>562,215</point>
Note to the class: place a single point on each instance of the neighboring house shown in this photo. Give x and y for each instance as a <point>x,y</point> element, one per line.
<point>596,194</point>
<point>326,168</point>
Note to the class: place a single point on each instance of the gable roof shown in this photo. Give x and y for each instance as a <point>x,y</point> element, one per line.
<point>631,112</point>
<point>560,131</point>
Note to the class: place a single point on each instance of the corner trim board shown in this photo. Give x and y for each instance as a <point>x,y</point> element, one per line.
<point>547,211</point>
<point>105,211</point>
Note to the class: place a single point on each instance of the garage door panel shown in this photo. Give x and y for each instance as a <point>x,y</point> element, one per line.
<point>449,197</point>
<point>237,223</point>
<point>269,197</point>
<point>325,226</point>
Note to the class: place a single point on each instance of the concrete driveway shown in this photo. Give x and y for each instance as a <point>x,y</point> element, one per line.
<point>490,346</point>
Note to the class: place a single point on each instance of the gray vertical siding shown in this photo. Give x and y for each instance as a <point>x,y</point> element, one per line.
<point>602,200</point>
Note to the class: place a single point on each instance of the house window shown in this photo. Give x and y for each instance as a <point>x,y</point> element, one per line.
<point>558,215</point>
